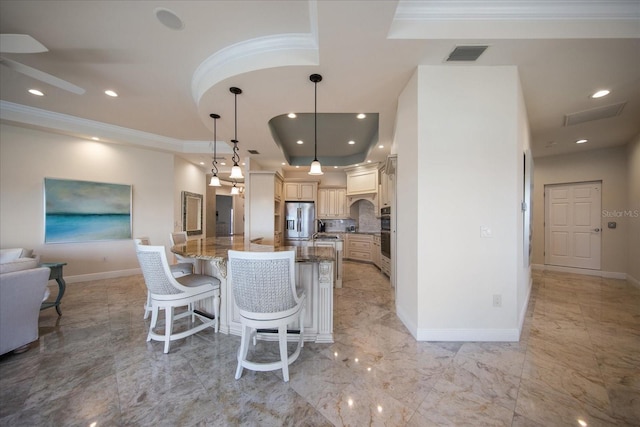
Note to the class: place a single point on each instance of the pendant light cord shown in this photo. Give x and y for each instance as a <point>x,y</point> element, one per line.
<point>315,121</point>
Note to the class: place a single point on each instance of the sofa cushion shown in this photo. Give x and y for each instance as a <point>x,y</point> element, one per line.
<point>8,255</point>
<point>27,253</point>
<point>18,265</point>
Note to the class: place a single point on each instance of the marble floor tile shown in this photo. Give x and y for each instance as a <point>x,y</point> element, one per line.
<point>577,359</point>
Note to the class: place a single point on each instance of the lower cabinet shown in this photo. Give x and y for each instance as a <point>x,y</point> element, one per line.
<point>375,251</point>
<point>359,247</point>
<point>385,265</point>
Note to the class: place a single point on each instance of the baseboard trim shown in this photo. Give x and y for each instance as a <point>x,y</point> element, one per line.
<point>583,271</point>
<point>102,275</point>
<point>635,282</point>
<point>479,335</point>
<point>413,330</point>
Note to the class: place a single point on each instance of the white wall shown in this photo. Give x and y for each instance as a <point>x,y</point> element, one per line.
<point>408,226</point>
<point>28,156</point>
<point>606,165</point>
<point>633,206</point>
<point>460,172</point>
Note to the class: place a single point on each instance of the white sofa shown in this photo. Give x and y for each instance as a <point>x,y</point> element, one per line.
<point>22,288</point>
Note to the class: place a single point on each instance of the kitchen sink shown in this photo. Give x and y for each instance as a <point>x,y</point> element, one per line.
<point>325,237</point>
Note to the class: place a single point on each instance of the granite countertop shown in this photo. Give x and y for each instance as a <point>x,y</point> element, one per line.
<point>216,248</point>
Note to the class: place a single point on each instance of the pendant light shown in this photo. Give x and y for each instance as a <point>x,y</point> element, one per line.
<point>235,190</point>
<point>236,171</point>
<point>316,167</point>
<point>215,181</point>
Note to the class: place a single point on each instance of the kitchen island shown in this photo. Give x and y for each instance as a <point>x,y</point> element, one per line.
<point>314,274</point>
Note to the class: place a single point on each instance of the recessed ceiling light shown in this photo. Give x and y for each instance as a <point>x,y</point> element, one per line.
<point>283,163</point>
<point>299,142</point>
<point>335,167</point>
<point>380,146</point>
<point>601,93</point>
<point>361,116</point>
<point>292,115</point>
<point>356,164</point>
<point>351,142</point>
<point>581,141</point>
<point>368,161</point>
<point>95,138</point>
<point>169,19</point>
<point>36,92</point>
<point>111,93</point>
<point>202,163</point>
<point>297,167</point>
<point>223,164</point>
<point>244,164</point>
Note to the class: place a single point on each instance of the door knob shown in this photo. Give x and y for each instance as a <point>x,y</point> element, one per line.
<point>596,229</point>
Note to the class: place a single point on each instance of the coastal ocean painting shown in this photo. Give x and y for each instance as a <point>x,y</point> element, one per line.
<point>83,211</point>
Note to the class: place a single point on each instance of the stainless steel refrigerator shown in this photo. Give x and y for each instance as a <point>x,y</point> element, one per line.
<point>299,220</point>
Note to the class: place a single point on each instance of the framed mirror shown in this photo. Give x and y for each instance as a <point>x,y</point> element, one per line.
<point>192,213</point>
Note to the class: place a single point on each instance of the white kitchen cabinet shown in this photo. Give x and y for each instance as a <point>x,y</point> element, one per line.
<point>358,247</point>
<point>385,265</point>
<point>332,203</point>
<point>362,179</point>
<point>300,191</point>
<point>375,251</point>
<point>385,187</point>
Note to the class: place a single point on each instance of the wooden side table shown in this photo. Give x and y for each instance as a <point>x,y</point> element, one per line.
<point>55,274</point>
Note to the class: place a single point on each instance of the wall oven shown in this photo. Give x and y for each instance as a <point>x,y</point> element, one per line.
<point>385,231</point>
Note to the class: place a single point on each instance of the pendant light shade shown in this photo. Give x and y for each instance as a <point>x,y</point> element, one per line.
<point>236,171</point>
<point>215,181</point>
<point>235,190</point>
<point>316,167</point>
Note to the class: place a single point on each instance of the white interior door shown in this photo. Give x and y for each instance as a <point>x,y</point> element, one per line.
<point>573,225</point>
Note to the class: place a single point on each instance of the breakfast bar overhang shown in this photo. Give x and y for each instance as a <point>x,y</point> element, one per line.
<point>314,274</point>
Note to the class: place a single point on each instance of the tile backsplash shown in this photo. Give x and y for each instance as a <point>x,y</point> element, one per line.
<point>367,216</point>
<point>363,218</point>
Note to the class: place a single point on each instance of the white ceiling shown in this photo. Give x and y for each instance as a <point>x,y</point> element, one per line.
<point>169,81</point>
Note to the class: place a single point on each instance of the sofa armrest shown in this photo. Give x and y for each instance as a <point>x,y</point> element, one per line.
<point>21,294</point>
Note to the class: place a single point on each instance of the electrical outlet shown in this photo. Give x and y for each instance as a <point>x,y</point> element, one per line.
<point>497,300</point>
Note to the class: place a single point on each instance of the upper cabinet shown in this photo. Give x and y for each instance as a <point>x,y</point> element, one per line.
<point>300,191</point>
<point>362,180</point>
<point>385,193</point>
<point>332,203</point>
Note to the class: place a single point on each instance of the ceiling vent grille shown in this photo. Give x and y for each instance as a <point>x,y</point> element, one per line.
<point>253,151</point>
<point>594,114</point>
<point>466,53</point>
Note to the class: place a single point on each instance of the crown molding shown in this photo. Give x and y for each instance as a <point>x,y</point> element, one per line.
<point>576,19</point>
<point>86,129</point>
<point>470,10</point>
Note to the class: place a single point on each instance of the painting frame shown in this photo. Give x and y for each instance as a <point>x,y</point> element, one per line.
<point>77,211</point>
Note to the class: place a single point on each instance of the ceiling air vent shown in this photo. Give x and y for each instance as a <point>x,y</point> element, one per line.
<point>466,53</point>
<point>594,114</point>
<point>253,151</point>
